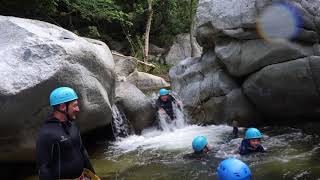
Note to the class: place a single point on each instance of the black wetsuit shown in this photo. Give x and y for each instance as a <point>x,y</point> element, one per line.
<point>167,106</point>
<point>246,148</point>
<point>195,156</point>
<point>235,132</point>
<point>60,152</point>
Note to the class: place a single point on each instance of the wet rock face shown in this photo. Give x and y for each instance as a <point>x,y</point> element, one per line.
<point>287,90</point>
<point>209,94</point>
<point>278,78</point>
<point>37,57</point>
<point>181,49</point>
<point>135,105</point>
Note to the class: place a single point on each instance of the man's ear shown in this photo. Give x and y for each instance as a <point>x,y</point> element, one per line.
<point>62,107</point>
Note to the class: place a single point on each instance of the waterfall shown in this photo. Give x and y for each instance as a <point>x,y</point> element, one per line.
<point>169,135</point>
<point>122,128</point>
<point>166,124</point>
<point>120,124</point>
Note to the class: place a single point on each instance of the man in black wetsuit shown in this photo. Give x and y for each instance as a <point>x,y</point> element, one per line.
<point>164,103</point>
<point>60,152</point>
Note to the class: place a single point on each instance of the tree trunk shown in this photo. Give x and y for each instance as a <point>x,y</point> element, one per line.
<point>192,43</point>
<point>146,36</point>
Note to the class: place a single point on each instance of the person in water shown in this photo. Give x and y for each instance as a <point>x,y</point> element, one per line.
<point>232,169</point>
<point>164,103</point>
<point>235,131</point>
<point>200,148</point>
<point>251,142</point>
<point>60,153</point>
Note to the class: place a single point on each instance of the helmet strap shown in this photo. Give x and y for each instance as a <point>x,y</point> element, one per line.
<point>66,111</point>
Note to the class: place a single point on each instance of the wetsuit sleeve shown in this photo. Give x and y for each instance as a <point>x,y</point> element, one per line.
<point>87,163</point>
<point>44,148</point>
<point>158,104</point>
<point>261,149</point>
<point>175,101</point>
<point>235,132</point>
<point>243,148</point>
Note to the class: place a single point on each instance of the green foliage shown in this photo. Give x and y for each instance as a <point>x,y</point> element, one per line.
<point>170,18</point>
<point>93,32</point>
<point>160,69</point>
<point>109,20</point>
<point>95,10</point>
<point>29,8</point>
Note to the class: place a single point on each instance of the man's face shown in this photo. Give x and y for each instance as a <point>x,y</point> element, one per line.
<point>207,148</point>
<point>254,142</point>
<point>73,109</point>
<point>164,98</point>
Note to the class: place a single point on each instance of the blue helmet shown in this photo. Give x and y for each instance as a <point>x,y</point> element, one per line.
<point>233,169</point>
<point>62,95</point>
<point>163,92</point>
<point>199,143</point>
<point>253,133</point>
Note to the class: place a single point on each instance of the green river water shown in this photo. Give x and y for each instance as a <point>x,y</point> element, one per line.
<point>291,154</point>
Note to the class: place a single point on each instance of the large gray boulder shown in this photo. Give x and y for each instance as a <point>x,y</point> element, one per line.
<point>238,19</point>
<point>124,65</point>
<point>126,70</point>
<point>209,94</point>
<point>37,57</point>
<point>287,90</point>
<point>278,76</point>
<point>145,81</point>
<point>181,49</point>
<point>155,50</point>
<point>234,18</point>
<point>228,14</point>
<point>136,106</point>
<point>242,58</point>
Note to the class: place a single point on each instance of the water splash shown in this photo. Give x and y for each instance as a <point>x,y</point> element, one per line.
<point>178,139</point>
<point>167,124</point>
<point>291,154</point>
<point>120,124</point>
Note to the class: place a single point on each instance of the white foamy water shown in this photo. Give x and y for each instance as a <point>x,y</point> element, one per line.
<point>171,135</point>
<point>178,139</point>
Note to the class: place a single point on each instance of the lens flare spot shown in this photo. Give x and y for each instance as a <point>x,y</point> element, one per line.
<point>279,22</point>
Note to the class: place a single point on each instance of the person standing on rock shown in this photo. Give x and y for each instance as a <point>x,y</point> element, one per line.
<point>164,103</point>
<point>59,148</point>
